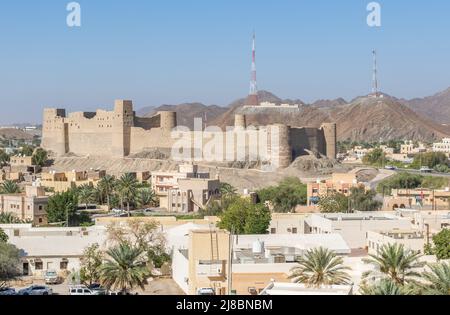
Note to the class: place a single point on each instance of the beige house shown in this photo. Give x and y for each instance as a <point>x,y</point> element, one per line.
<point>420,198</point>
<point>257,260</point>
<point>63,181</point>
<point>28,206</point>
<point>19,160</point>
<point>186,190</point>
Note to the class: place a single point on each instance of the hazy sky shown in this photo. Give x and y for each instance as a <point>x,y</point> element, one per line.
<point>173,51</point>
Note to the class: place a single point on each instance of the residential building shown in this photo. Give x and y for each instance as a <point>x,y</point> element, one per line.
<point>63,181</point>
<point>353,227</point>
<point>411,239</point>
<point>409,148</point>
<point>59,249</point>
<point>287,223</point>
<point>28,206</point>
<point>19,160</point>
<point>186,190</point>
<point>443,146</point>
<point>420,198</point>
<point>257,260</point>
<point>338,183</point>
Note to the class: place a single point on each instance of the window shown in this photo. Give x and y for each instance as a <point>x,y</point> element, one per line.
<point>40,207</point>
<point>40,220</point>
<point>294,230</point>
<point>63,265</point>
<point>273,231</point>
<point>39,265</point>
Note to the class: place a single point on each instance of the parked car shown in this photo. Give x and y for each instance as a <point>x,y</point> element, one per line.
<point>206,291</point>
<point>121,293</point>
<point>97,288</point>
<point>7,291</point>
<point>84,290</point>
<point>51,277</point>
<point>36,290</point>
<point>425,169</point>
<point>391,168</point>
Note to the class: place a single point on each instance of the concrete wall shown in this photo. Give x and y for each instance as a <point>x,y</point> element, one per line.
<point>180,270</point>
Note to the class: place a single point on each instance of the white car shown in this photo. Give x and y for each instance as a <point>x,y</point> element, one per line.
<point>206,291</point>
<point>51,277</point>
<point>83,290</point>
<point>7,291</point>
<point>36,290</point>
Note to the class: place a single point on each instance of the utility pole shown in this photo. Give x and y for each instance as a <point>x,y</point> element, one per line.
<point>230,262</point>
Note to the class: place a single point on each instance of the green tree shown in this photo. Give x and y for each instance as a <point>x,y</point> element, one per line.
<point>62,207</point>
<point>87,195</point>
<point>158,256</point>
<point>9,187</point>
<point>320,267</point>
<point>334,203</point>
<point>362,200</point>
<point>146,197</point>
<point>243,217</point>
<point>4,158</point>
<point>91,264</point>
<point>127,188</point>
<point>106,187</point>
<point>394,262</point>
<point>410,181</point>
<point>3,236</point>
<point>437,280</point>
<point>384,287</point>
<point>442,244</point>
<point>290,193</point>
<point>377,157</point>
<point>27,150</point>
<point>125,268</point>
<point>9,262</point>
<point>227,191</point>
<point>9,218</point>
<point>40,157</point>
<point>429,159</point>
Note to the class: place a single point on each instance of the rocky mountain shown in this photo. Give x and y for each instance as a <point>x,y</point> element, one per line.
<point>187,112</point>
<point>14,134</point>
<point>435,107</point>
<point>362,119</point>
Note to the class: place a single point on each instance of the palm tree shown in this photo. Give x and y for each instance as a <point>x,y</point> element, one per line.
<point>437,280</point>
<point>127,187</point>
<point>146,197</point>
<point>396,263</point>
<point>384,287</point>
<point>106,187</point>
<point>40,157</point>
<point>126,268</point>
<point>9,218</point>
<point>227,191</point>
<point>87,195</point>
<point>320,266</point>
<point>9,187</point>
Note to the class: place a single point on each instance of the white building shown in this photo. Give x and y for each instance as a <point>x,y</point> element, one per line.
<point>284,288</point>
<point>411,239</point>
<point>58,249</point>
<point>443,146</point>
<point>354,227</point>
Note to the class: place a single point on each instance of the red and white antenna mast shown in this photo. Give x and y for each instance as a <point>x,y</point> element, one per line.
<point>253,95</point>
<point>375,75</point>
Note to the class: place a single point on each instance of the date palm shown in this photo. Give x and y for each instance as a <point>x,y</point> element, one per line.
<point>437,280</point>
<point>146,197</point>
<point>396,263</point>
<point>127,188</point>
<point>319,267</point>
<point>9,187</point>
<point>384,287</point>
<point>125,269</point>
<point>9,218</point>
<point>87,195</point>
<point>106,187</point>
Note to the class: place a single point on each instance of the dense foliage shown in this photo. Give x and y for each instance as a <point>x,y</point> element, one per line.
<point>290,193</point>
<point>410,181</point>
<point>243,217</point>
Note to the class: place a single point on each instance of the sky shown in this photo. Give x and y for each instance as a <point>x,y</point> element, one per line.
<point>174,51</point>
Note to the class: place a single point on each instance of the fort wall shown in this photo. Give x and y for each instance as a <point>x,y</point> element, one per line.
<point>120,133</point>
